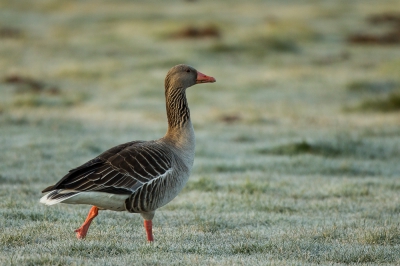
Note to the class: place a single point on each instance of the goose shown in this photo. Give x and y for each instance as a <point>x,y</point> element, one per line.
<point>137,176</point>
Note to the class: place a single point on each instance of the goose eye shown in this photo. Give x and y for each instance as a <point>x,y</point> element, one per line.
<point>187,70</point>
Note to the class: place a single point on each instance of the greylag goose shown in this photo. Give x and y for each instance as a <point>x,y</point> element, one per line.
<point>138,176</point>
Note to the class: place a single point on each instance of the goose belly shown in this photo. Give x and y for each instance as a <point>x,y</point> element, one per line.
<point>169,190</point>
<point>154,195</point>
<point>102,200</point>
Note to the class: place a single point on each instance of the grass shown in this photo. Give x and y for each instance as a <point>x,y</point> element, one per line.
<point>340,146</point>
<point>282,176</point>
<point>378,86</point>
<point>383,96</point>
<point>391,103</point>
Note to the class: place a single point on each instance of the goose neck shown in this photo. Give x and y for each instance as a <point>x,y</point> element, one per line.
<point>178,112</point>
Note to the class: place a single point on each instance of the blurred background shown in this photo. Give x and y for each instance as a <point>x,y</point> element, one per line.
<point>273,60</point>
<point>306,105</point>
<point>290,69</point>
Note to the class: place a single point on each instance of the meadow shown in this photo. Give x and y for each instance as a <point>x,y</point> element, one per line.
<point>297,143</point>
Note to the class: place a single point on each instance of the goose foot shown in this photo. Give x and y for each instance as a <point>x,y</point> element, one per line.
<point>81,232</point>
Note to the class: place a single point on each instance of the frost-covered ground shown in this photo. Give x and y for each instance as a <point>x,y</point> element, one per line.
<point>298,141</point>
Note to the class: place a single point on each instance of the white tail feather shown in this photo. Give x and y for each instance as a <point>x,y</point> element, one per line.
<point>45,199</point>
<point>102,200</point>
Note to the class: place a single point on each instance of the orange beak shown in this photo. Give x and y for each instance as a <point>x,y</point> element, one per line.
<point>201,78</point>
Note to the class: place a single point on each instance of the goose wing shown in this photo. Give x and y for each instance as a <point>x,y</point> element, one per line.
<point>119,170</point>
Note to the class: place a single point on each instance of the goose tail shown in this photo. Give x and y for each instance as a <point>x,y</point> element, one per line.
<point>57,196</point>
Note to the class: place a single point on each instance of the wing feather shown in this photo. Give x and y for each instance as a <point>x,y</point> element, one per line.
<point>119,170</point>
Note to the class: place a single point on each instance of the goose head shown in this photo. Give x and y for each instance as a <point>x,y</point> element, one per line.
<point>184,76</point>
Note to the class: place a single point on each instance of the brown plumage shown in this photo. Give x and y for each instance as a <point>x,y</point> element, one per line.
<point>138,176</point>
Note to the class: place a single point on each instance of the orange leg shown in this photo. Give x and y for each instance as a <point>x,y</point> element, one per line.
<point>82,231</point>
<point>148,225</point>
